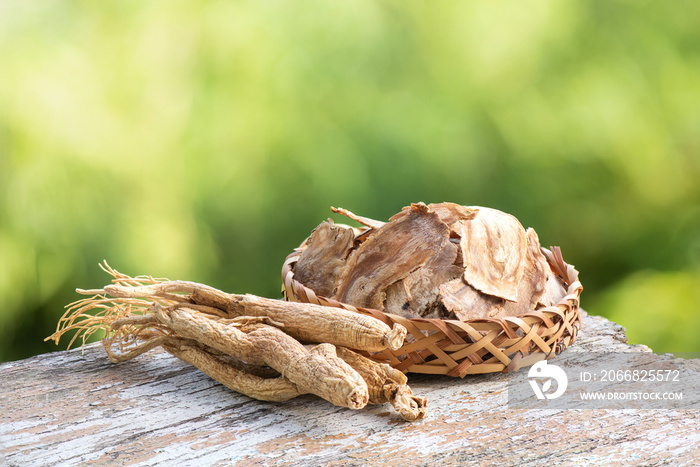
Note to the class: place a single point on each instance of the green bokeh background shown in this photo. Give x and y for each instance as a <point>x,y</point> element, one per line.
<point>205,140</point>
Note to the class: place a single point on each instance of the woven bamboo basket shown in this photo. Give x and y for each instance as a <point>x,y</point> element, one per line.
<point>459,348</point>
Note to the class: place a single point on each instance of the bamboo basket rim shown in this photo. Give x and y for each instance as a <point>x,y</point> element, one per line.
<point>458,348</point>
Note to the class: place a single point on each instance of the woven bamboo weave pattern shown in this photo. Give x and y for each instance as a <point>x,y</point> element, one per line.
<point>457,348</point>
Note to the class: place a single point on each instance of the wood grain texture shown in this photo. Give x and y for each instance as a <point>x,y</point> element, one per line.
<point>69,408</point>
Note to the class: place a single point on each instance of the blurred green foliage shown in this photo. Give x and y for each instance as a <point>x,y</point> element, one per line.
<point>204,141</point>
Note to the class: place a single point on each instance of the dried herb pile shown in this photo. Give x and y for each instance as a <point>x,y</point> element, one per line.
<point>442,261</point>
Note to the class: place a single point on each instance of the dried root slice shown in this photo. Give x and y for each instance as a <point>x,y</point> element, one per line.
<point>303,321</point>
<point>493,248</point>
<point>394,251</point>
<point>386,384</point>
<point>418,295</point>
<point>324,256</point>
<point>466,302</point>
<point>318,371</point>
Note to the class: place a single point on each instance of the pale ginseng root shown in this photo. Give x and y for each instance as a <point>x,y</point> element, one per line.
<point>248,354</point>
<point>386,384</point>
<point>318,371</point>
<point>138,328</point>
<point>258,382</point>
<point>304,321</point>
<point>234,374</point>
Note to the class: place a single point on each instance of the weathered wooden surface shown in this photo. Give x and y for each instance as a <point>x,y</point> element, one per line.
<point>68,408</point>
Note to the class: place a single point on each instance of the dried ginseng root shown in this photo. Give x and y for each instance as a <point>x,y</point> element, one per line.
<point>250,344</point>
<point>386,384</point>
<point>442,261</point>
<point>303,321</point>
